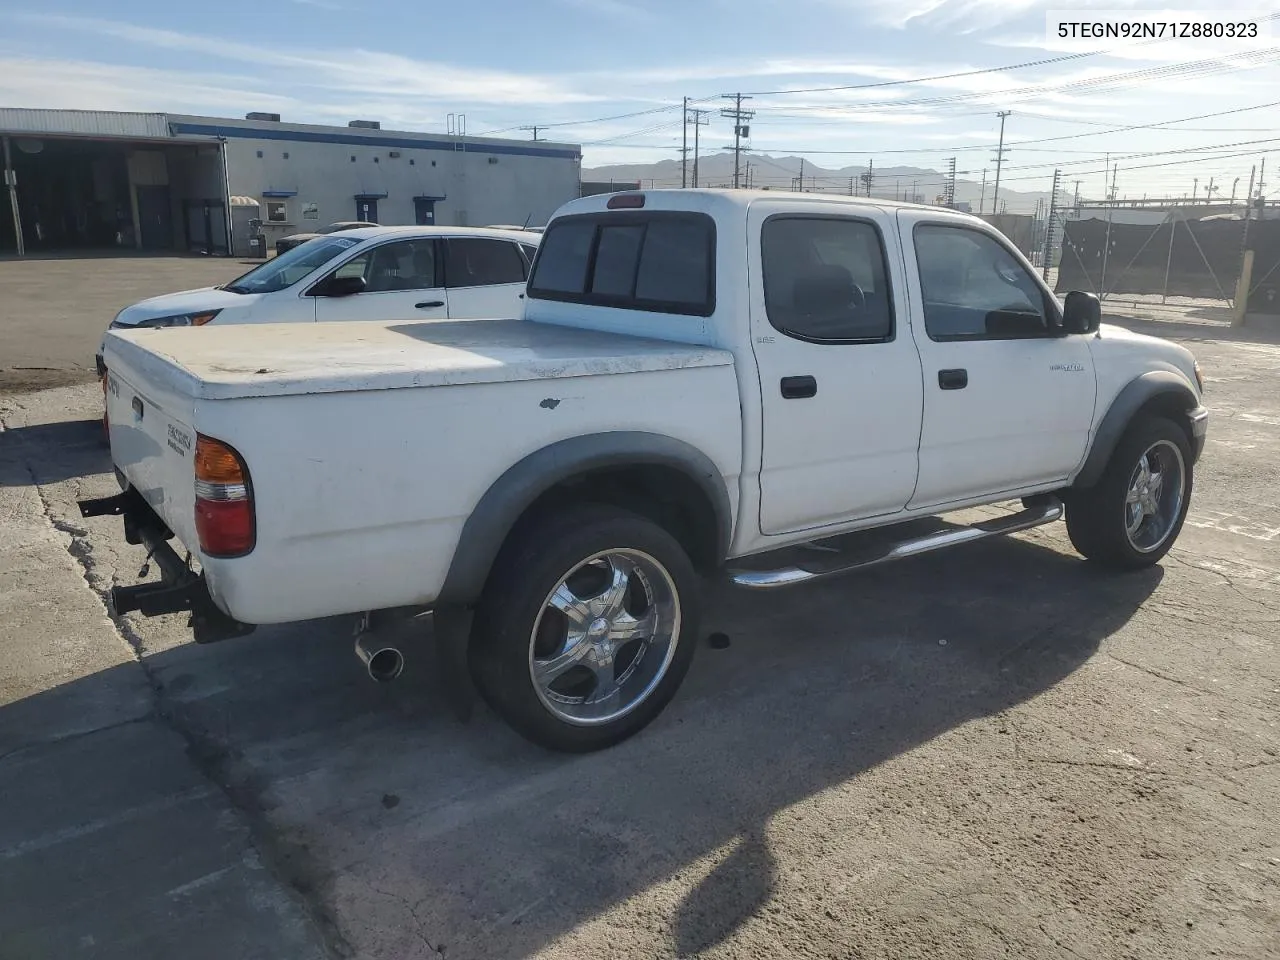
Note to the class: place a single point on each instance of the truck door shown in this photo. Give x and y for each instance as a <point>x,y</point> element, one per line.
<point>1008,399</point>
<point>839,373</point>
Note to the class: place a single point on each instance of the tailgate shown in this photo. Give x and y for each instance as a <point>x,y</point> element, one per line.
<point>153,445</point>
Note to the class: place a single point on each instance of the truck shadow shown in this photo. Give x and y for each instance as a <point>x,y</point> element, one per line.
<point>67,449</point>
<point>403,827</point>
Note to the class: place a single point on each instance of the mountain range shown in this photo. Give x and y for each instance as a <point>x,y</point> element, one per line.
<point>783,173</point>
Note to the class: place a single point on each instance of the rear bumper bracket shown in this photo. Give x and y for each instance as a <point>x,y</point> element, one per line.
<point>180,588</point>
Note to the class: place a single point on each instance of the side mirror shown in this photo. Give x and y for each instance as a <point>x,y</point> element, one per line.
<point>1081,312</point>
<point>342,286</point>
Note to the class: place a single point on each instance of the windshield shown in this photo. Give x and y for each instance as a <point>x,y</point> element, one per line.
<point>288,268</point>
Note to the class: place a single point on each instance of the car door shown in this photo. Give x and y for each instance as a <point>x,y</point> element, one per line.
<point>485,277</point>
<point>839,373</point>
<point>402,282</point>
<point>1008,399</point>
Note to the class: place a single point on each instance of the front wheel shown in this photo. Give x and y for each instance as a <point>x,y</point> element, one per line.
<point>586,627</point>
<point>1132,517</point>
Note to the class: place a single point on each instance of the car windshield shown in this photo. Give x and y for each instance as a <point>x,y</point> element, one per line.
<point>288,268</point>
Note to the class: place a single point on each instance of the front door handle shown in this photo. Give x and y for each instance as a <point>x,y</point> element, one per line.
<point>426,304</point>
<point>953,379</point>
<point>796,388</point>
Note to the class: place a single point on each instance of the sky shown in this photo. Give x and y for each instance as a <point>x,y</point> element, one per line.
<point>611,74</point>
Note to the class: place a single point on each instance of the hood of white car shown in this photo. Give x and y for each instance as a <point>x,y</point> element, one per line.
<point>187,301</point>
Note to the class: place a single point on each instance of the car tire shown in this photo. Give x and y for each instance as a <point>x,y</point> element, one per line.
<point>586,627</point>
<point>1132,516</point>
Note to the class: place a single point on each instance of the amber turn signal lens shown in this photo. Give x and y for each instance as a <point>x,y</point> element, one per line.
<point>200,319</point>
<point>216,462</point>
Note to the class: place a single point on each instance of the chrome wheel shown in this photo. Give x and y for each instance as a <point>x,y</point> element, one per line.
<point>605,637</point>
<point>1153,503</point>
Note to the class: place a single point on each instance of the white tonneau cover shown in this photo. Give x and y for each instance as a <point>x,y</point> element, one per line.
<point>267,360</point>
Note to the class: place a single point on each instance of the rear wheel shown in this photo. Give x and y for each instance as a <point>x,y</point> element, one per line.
<point>586,627</point>
<point>1133,515</point>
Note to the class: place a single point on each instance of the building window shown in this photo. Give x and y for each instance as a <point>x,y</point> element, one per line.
<point>353,159</point>
<point>286,154</point>
<point>375,159</point>
<point>277,211</point>
<point>411,163</point>
<point>259,154</point>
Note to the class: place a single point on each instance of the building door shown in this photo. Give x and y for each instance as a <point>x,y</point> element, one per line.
<point>366,210</point>
<point>424,211</point>
<point>155,218</point>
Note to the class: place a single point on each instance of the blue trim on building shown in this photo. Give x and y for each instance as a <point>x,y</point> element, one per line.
<point>279,193</point>
<point>306,136</point>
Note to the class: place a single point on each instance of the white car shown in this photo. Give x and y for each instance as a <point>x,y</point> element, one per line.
<point>372,273</point>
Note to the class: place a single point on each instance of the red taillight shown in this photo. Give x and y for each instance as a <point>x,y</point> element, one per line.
<point>626,201</point>
<point>224,500</point>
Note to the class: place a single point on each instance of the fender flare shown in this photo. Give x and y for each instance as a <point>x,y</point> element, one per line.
<point>512,493</point>
<point>1132,397</point>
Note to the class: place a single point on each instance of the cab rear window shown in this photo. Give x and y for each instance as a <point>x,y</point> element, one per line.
<point>633,260</point>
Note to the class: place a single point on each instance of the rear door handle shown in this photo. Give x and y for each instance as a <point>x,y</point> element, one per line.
<point>953,379</point>
<point>427,304</point>
<point>796,388</point>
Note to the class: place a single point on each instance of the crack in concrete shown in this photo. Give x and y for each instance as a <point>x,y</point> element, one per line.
<point>211,758</point>
<point>432,949</point>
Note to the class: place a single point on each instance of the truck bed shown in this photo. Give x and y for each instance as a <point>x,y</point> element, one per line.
<point>369,445</point>
<point>241,361</point>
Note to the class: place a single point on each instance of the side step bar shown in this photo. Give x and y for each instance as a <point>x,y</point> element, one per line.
<point>1037,513</point>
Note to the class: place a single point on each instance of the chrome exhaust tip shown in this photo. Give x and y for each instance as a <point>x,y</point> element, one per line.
<point>383,661</point>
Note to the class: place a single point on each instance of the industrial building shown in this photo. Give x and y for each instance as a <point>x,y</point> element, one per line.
<point>98,180</point>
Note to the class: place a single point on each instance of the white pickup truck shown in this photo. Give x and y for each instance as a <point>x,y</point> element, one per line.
<point>701,381</point>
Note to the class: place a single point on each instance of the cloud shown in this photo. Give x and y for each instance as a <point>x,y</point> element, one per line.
<point>66,84</point>
<point>609,9</point>
<point>355,71</point>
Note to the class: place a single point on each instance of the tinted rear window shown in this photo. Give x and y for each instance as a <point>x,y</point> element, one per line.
<point>659,261</point>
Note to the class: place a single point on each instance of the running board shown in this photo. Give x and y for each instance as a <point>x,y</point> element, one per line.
<point>1043,511</point>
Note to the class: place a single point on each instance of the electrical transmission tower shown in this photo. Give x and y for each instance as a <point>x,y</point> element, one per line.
<point>869,177</point>
<point>1051,225</point>
<point>741,130</point>
<point>949,187</point>
<point>999,158</point>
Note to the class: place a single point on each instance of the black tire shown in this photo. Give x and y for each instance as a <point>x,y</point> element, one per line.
<point>537,557</point>
<point>1096,520</point>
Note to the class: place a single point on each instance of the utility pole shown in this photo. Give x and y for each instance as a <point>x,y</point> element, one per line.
<point>535,128</point>
<point>1114,171</point>
<point>802,174</point>
<point>869,177</point>
<point>1262,193</point>
<point>1195,187</point>
<point>1248,197</point>
<point>741,130</point>
<point>684,145</point>
<point>1050,223</point>
<point>982,197</point>
<point>1076,203</point>
<point>949,188</point>
<point>1000,151</point>
<point>700,120</point>
<point>851,181</point>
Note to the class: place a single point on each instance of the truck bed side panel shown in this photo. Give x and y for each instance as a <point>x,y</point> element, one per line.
<point>361,496</point>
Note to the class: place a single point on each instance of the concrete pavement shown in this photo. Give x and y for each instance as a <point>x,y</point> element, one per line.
<point>116,838</point>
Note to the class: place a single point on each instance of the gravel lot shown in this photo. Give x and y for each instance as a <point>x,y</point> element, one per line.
<point>996,751</point>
